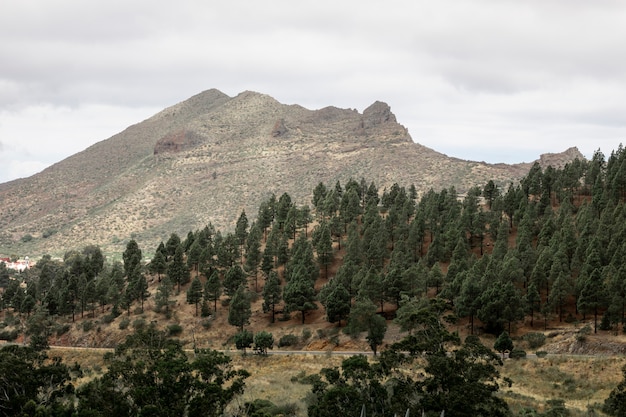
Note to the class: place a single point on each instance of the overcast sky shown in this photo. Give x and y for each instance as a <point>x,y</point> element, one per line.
<point>492,80</point>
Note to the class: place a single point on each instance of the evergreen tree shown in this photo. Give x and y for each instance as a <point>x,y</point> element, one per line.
<point>162,299</point>
<point>376,332</point>
<point>158,265</point>
<point>532,301</point>
<point>194,293</point>
<point>299,293</point>
<point>241,229</point>
<point>262,342</point>
<point>323,246</point>
<point>615,404</point>
<point>213,289</point>
<point>239,311</point>
<point>272,294</point>
<point>592,296</point>
<point>172,243</point>
<point>336,301</point>
<point>177,270</point>
<point>253,253</point>
<point>234,278</point>
<point>503,343</point>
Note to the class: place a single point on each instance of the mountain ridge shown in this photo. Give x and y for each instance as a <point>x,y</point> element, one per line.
<point>205,159</point>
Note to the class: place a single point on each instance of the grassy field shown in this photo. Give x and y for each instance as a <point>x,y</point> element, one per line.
<point>581,381</point>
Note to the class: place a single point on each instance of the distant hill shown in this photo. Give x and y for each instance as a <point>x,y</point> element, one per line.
<point>212,156</point>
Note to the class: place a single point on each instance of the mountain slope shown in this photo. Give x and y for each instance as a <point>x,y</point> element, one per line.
<point>211,156</point>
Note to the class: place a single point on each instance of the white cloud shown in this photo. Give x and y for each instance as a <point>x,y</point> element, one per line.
<point>478,79</point>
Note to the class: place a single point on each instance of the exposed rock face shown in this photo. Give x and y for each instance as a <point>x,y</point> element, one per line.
<point>558,160</point>
<point>376,114</point>
<point>177,142</point>
<point>279,130</point>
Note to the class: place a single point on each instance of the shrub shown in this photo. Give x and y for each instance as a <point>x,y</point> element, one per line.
<point>9,335</point>
<point>206,323</point>
<point>541,353</point>
<point>61,329</point>
<point>88,325</point>
<point>262,342</point>
<point>107,318</point>
<point>124,323</point>
<point>47,233</point>
<point>139,324</point>
<point>306,334</point>
<point>174,329</point>
<point>582,334</point>
<point>288,340</point>
<point>535,340</point>
<point>517,354</point>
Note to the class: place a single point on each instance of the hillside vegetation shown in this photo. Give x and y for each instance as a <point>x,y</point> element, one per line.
<point>548,249</point>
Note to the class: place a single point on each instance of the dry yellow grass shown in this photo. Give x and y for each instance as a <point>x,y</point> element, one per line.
<point>580,381</point>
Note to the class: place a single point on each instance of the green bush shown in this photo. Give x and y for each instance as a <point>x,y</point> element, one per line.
<point>47,233</point>
<point>174,329</point>
<point>206,323</point>
<point>535,340</point>
<point>139,324</point>
<point>124,323</point>
<point>88,325</point>
<point>61,329</point>
<point>541,353</point>
<point>517,354</point>
<point>288,340</point>
<point>306,334</point>
<point>107,318</point>
<point>9,335</point>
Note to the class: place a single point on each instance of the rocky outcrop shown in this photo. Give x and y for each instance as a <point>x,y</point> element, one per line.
<point>377,114</point>
<point>177,142</point>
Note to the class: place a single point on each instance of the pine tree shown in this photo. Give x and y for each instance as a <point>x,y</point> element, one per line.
<point>299,293</point>
<point>162,298</point>
<point>272,294</point>
<point>194,293</point>
<point>239,311</point>
<point>234,278</point>
<point>177,271</point>
<point>213,289</point>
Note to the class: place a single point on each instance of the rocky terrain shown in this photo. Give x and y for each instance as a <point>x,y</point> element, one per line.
<point>212,156</point>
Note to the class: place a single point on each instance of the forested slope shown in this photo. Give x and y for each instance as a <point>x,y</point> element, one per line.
<point>551,247</point>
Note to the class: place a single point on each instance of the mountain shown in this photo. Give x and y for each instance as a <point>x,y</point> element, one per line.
<point>210,157</point>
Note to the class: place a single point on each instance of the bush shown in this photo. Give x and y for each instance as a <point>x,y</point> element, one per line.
<point>9,335</point>
<point>582,334</point>
<point>517,354</point>
<point>262,342</point>
<point>124,323</point>
<point>139,324</point>
<point>541,353</point>
<point>535,340</point>
<point>107,318</point>
<point>288,340</point>
<point>88,325</point>
<point>206,323</point>
<point>47,233</point>
<point>174,329</point>
<point>306,334</point>
<point>61,329</point>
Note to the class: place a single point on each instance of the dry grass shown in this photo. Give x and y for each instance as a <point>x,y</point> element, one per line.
<point>581,381</point>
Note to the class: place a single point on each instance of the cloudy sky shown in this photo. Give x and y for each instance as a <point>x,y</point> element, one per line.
<point>492,80</point>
